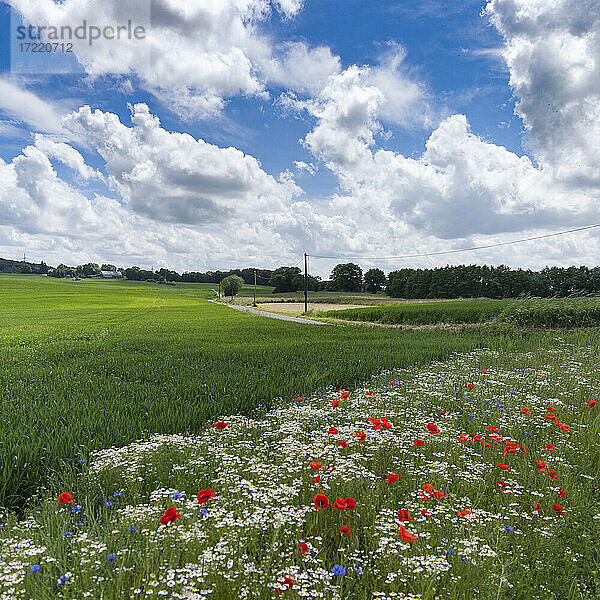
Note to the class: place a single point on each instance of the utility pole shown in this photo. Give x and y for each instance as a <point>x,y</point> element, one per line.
<point>305,282</point>
<point>254,304</point>
<point>219,289</point>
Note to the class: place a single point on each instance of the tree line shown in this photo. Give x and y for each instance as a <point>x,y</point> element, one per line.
<point>462,281</point>
<point>468,281</point>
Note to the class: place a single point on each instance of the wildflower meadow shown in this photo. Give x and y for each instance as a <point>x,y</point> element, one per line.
<point>475,477</point>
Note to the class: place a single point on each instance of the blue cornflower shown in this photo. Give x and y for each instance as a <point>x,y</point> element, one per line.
<point>109,504</point>
<point>63,579</point>
<point>76,508</point>
<point>82,460</point>
<point>450,552</point>
<point>471,402</point>
<point>527,433</point>
<point>338,570</point>
<point>35,568</point>
<point>112,557</point>
<point>471,415</point>
<point>358,569</point>
<point>508,528</point>
<point>133,529</point>
<point>68,533</point>
<point>77,524</point>
<point>117,494</point>
<point>176,496</point>
<point>203,511</point>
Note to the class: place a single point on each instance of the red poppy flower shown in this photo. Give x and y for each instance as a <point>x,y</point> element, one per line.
<point>424,512</point>
<point>540,464</point>
<point>503,466</point>
<point>350,503</point>
<point>221,425</point>
<point>407,537</point>
<point>525,410</point>
<point>562,493</point>
<point>170,516</point>
<point>464,513</point>
<point>340,504</point>
<point>342,443</point>
<point>592,403</point>
<point>553,474</point>
<point>550,417</point>
<point>321,501</point>
<point>316,479</point>
<point>285,582</point>
<point>385,423</point>
<point>549,448</point>
<point>501,483</point>
<point>370,392</point>
<point>345,394</point>
<point>360,435</point>
<point>335,403</point>
<point>302,548</point>
<point>315,466</point>
<point>65,498</point>
<point>205,495</point>
<point>433,428</point>
<point>558,509</point>
<point>536,506</point>
<point>345,530</point>
<point>550,409</point>
<point>433,493</point>
<point>404,516</point>
<point>332,431</point>
<point>391,478</point>
<point>565,427</point>
<point>299,399</point>
<point>418,442</point>
<point>470,386</point>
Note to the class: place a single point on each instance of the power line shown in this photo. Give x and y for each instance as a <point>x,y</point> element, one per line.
<point>537,237</point>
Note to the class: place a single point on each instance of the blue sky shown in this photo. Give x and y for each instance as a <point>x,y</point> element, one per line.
<point>444,129</point>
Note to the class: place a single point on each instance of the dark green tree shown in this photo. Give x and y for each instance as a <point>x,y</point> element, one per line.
<point>286,279</point>
<point>375,280</point>
<point>346,277</point>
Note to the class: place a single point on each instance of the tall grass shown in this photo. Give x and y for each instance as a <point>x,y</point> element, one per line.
<point>544,313</point>
<point>427,313</point>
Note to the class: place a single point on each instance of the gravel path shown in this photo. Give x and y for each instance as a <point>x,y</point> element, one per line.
<point>264,313</point>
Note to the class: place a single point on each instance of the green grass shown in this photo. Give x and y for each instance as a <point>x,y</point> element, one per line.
<point>565,313</point>
<point>536,313</point>
<point>426,313</point>
<point>90,364</point>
